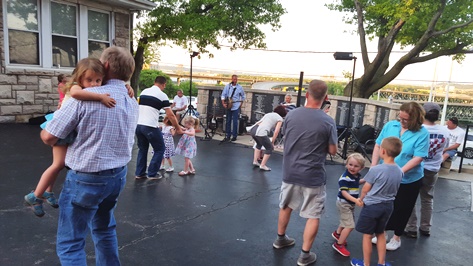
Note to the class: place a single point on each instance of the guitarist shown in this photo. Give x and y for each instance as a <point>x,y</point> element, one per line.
<point>232,97</point>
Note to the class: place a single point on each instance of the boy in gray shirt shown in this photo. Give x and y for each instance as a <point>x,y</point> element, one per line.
<point>378,194</point>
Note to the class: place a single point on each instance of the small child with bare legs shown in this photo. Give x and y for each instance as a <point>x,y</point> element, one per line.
<point>168,131</point>
<point>378,193</point>
<point>348,191</point>
<point>187,145</point>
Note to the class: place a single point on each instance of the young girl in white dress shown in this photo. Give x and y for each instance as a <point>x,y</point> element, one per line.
<point>187,146</point>
<point>168,131</point>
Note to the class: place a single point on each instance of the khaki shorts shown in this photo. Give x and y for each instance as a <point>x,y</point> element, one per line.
<point>347,214</point>
<point>311,201</point>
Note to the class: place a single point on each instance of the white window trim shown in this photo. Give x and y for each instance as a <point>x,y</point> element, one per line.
<point>45,40</point>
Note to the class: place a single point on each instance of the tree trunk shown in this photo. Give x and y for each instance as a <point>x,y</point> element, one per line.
<point>139,59</point>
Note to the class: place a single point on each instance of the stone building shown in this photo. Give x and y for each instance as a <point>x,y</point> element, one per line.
<point>40,39</point>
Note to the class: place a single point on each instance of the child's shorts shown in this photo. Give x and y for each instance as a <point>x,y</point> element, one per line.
<point>69,139</point>
<point>347,213</point>
<point>373,218</point>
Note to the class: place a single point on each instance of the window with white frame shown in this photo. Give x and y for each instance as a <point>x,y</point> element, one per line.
<point>99,37</point>
<point>54,33</point>
<point>23,32</point>
<point>64,34</point>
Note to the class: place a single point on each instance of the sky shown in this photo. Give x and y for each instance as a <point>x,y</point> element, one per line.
<point>309,26</point>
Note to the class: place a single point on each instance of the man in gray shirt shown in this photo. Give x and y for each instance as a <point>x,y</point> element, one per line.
<point>309,135</point>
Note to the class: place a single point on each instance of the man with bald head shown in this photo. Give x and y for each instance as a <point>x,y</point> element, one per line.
<point>97,163</point>
<point>309,135</point>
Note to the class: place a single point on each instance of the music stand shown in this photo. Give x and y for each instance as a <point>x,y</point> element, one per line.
<point>190,109</point>
<point>348,131</point>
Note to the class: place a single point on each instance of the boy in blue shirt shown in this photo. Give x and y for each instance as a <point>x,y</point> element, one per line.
<point>378,194</point>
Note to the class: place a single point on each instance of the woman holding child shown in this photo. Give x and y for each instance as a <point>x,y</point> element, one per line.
<point>415,140</point>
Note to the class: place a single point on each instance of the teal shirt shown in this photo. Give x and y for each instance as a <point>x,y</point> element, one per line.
<point>414,144</point>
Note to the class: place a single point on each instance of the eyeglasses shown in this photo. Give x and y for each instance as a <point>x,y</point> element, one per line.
<point>402,120</point>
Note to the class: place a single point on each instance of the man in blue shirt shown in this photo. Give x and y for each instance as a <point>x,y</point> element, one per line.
<point>232,97</point>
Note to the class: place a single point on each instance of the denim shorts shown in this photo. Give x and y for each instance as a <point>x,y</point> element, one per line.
<point>373,218</point>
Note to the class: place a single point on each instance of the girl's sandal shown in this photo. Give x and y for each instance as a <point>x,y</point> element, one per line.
<point>192,172</point>
<point>183,173</point>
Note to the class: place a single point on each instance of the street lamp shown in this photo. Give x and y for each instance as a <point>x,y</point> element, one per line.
<point>194,54</point>
<point>348,125</point>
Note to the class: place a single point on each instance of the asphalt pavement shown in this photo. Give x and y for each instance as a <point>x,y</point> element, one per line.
<point>226,214</point>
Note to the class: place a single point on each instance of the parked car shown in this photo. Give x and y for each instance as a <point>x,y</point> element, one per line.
<point>162,113</point>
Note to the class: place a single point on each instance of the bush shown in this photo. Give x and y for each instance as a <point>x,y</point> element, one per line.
<point>335,88</point>
<point>147,77</point>
<point>185,87</point>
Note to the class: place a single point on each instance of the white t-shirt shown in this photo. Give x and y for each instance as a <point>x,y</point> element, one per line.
<point>457,135</point>
<point>438,141</point>
<point>268,122</point>
<point>179,101</point>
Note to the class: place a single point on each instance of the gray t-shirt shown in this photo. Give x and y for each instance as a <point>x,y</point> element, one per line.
<point>268,122</point>
<point>385,180</point>
<point>307,134</point>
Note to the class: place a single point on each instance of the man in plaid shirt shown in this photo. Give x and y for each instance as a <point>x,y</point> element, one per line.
<point>97,163</point>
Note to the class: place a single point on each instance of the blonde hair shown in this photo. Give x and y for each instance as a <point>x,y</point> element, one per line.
<point>357,157</point>
<point>189,120</point>
<point>92,64</point>
<point>167,121</point>
<point>392,145</point>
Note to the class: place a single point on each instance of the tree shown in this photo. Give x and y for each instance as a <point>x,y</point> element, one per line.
<point>430,28</point>
<point>199,24</point>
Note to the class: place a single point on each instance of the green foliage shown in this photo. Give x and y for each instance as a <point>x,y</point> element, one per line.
<point>198,24</point>
<point>185,87</point>
<point>429,28</point>
<point>335,88</point>
<point>148,76</point>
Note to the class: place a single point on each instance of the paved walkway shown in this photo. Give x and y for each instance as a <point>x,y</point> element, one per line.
<point>224,215</point>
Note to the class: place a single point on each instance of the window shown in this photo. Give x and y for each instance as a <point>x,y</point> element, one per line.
<point>64,35</point>
<point>54,33</point>
<point>99,37</point>
<point>23,32</point>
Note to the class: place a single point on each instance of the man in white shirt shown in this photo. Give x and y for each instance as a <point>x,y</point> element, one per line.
<point>179,104</point>
<point>457,135</point>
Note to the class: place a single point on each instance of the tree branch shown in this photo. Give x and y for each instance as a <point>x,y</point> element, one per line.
<point>362,34</point>
<point>456,50</point>
<point>437,33</point>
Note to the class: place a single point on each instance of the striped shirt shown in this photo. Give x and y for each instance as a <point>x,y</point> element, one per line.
<point>349,183</point>
<point>151,101</point>
<point>105,136</point>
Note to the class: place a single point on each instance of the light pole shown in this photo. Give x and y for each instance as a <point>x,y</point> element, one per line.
<point>194,54</point>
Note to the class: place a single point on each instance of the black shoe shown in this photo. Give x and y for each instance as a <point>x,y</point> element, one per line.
<point>411,234</point>
<point>234,139</point>
<point>424,233</point>
<point>225,140</point>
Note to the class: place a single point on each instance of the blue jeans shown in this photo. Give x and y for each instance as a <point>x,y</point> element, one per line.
<point>87,202</point>
<point>146,136</point>
<point>232,116</point>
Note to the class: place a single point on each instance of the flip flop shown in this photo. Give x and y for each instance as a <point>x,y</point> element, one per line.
<point>192,172</point>
<point>183,173</point>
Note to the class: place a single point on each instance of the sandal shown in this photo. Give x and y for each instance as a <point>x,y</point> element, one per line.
<point>183,173</point>
<point>192,172</point>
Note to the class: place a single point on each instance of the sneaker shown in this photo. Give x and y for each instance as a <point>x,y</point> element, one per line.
<point>141,177</point>
<point>341,249</point>
<point>170,169</point>
<point>264,168</point>
<point>374,240</point>
<point>233,139</point>
<point>336,235</point>
<point>35,204</point>
<point>156,177</point>
<point>225,140</point>
<point>50,199</point>
<point>357,262</point>
<point>385,264</point>
<point>162,167</point>
<point>393,244</point>
<point>411,234</point>
<point>302,260</point>
<point>285,242</point>
<point>424,233</point>
<point>256,164</point>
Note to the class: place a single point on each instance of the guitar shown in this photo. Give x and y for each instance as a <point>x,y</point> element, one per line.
<point>213,122</point>
<point>229,102</point>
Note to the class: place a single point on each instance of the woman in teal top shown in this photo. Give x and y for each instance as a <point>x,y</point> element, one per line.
<point>415,146</point>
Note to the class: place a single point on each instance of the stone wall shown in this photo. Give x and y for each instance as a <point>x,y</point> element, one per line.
<point>369,117</point>
<point>31,92</point>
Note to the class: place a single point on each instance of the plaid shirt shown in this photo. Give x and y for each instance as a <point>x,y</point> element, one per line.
<point>105,136</point>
